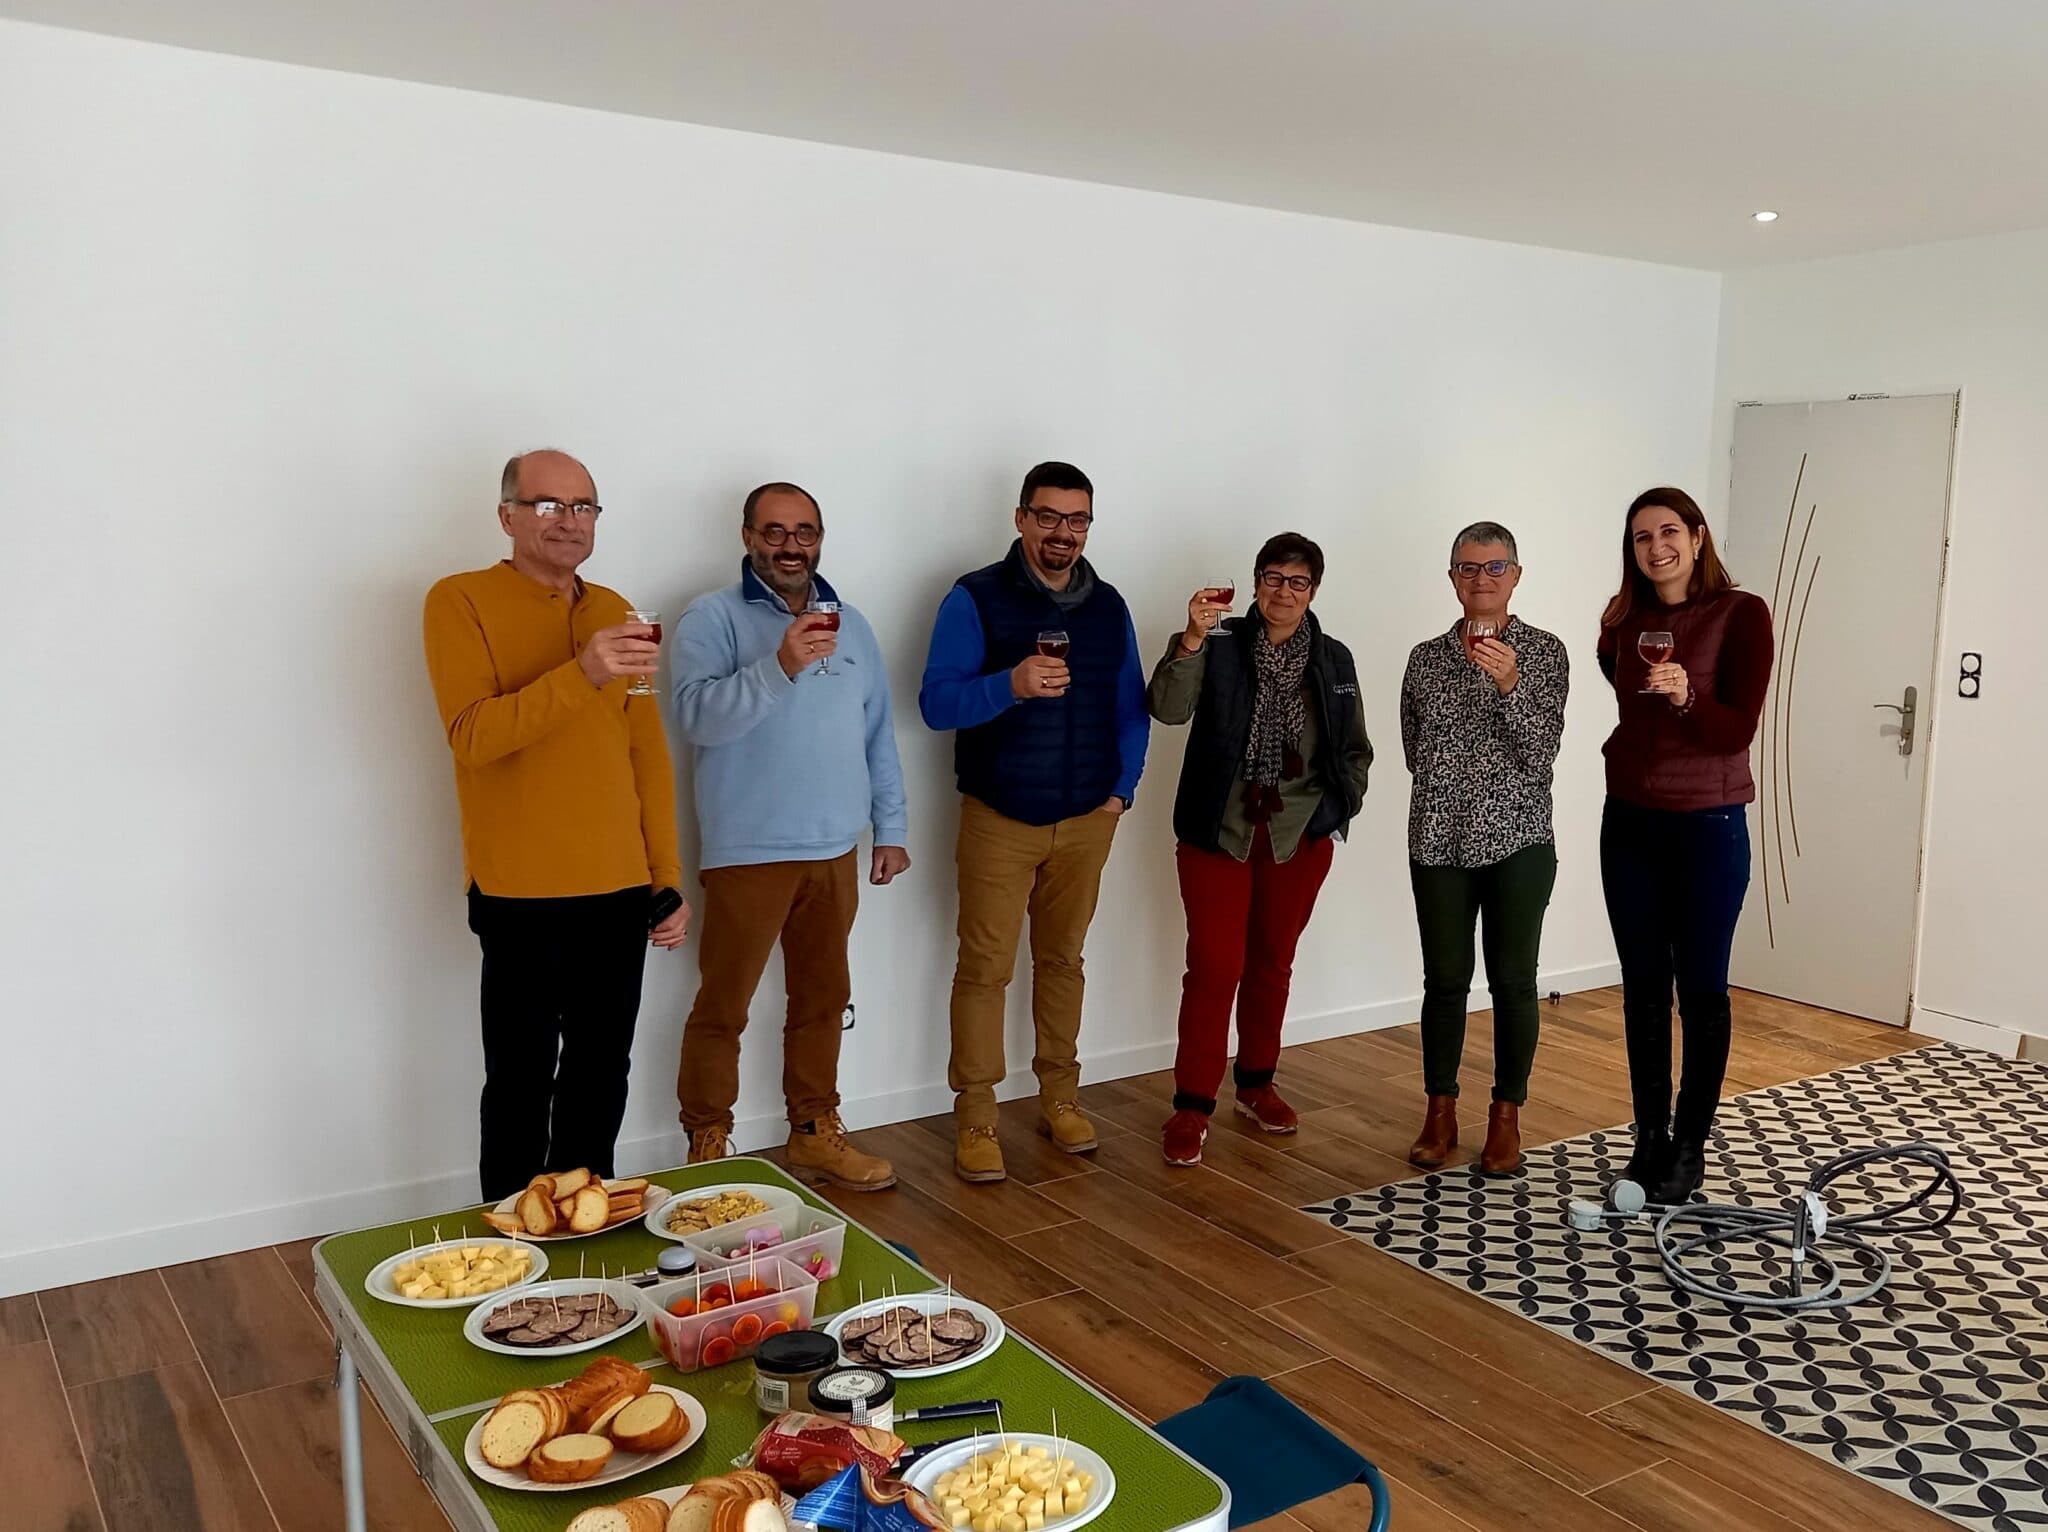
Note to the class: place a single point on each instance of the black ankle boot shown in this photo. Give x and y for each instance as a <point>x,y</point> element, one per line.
<point>1687,1169</point>
<point>1652,1159</point>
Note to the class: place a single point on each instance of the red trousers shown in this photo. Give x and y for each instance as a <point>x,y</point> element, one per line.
<point>1244,919</point>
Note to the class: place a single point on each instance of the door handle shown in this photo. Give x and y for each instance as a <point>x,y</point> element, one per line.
<point>1908,711</point>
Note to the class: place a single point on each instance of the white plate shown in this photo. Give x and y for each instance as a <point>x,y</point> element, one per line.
<point>621,1293</point>
<point>379,1285</point>
<point>927,1471</point>
<point>926,1303</point>
<point>652,1194</point>
<point>623,1465</point>
<point>779,1200</point>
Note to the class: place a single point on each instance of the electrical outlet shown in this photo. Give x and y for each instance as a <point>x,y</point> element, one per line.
<point>846,1018</point>
<point>1970,678</point>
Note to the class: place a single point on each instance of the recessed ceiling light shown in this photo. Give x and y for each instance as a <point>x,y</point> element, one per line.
<point>1766,216</point>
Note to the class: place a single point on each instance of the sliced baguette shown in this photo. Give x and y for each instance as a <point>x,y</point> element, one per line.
<point>569,1459</point>
<point>569,1182</point>
<point>652,1423</point>
<point>588,1211</point>
<point>693,1513</point>
<point>504,1223</point>
<point>647,1513</point>
<point>512,1433</point>
<point>535,1211</point>
<point>602,1518</point>
<point>624,1184</point>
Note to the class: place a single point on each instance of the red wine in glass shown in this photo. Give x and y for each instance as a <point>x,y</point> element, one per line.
<point>827,613</point>
<point>1053,644</point>
<point>1656,648</point>
<point>1223,593</point>
<point>643,686</point>
<point>1477,628</point>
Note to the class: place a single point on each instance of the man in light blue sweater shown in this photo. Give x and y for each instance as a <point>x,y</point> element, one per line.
<point>781,692</point>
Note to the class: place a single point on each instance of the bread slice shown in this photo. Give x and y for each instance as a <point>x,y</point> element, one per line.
<point>504,1223</point>
<point>607,1409</point>
<point>536,1212</point>
<point>647,1513</point>
<point>602,1518</point>
<point>512,1433</point>
<point>569,1459</point>
<point>693,1513</point>
<point>617,1216</point>
<point>652,1423</point>
<point>624,1184</point>
<point>569,1182</point>
<point>588,1210</point>
<point>764,1516</point>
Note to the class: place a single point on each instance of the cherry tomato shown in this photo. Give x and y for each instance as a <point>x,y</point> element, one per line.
<point>747,1329</point>
<point>748,1288</point>
<point>683,1307</point>
<point>711,1303</point>
<point>790,1314</point>
<point>720,1351</point>
<point>718,1290</point>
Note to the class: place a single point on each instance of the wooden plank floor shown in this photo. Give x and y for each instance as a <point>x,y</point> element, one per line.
<point>197,1398</point>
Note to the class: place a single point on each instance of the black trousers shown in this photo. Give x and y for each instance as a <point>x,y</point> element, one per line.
<point>561,992</point>
<point>1675,884</point>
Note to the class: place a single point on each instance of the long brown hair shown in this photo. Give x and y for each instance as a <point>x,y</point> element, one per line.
<point>1708,572</point>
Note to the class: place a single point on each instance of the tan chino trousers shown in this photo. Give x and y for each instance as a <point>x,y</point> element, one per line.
<point>809,907</point>
<point>1008,870</point>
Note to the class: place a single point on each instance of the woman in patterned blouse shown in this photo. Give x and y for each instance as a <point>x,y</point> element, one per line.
<point>1482,713</point>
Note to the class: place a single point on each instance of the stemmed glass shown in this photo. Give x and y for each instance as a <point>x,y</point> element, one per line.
<point>643,686</point>
<point>829,611</point>
<point>1053,643</point>
<point>1656,648</point>
<point>1477,628</point>
<point>1224,592</point>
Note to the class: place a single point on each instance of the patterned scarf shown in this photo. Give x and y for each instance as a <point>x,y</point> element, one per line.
<point>1272,750</point>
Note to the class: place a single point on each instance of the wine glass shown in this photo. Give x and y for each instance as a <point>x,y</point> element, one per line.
<point>1053,643</point>
<point>1656,648</point>
<point>1224,593</point>
<point>1477,628</point>
<point>643,686</point>
<point>829,612</point>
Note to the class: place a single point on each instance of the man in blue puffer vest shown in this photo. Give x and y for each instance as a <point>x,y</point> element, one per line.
<point>1034,664</point>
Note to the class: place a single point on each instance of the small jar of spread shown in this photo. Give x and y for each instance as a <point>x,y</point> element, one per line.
<point>844,1392</point>
<point>785,1366</point>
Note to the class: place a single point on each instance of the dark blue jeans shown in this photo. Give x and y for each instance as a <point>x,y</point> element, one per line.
<point>1674,884</point>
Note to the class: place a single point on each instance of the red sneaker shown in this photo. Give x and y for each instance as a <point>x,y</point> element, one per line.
<point>1263,1105</point>
<point>1185,1133</point>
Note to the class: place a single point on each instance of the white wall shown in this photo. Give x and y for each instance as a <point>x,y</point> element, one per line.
<point>266,334</point>
<point>1971,315</point>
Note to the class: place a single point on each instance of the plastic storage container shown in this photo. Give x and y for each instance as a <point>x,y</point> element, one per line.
<point>713,1336</point>
<point>812,1241</point>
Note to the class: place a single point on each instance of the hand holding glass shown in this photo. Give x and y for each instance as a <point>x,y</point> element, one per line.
<point>827,613</point>
<point>1656,648</point>
<point>643,686</point>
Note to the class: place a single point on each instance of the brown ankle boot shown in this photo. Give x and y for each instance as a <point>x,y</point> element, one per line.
<point>1502,1155</point>
<point>1439,1133</point>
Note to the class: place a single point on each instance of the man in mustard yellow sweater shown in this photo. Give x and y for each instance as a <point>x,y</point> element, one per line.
<point>568,822</point>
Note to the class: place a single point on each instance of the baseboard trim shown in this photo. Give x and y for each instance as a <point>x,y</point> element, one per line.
<point>170,1244</point>
<point>2003,1041</point>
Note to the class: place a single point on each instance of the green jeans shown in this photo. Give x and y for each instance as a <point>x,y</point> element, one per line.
<point>1510,897</point>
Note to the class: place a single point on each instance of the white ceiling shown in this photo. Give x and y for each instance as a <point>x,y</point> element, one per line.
<point>1647,128</point>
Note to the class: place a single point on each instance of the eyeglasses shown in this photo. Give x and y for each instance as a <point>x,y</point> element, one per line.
<point>1494,567</point>
<point>550,507</point>
<point>1077,521</point>
<point>775,535</point>
<point>1273,579</point>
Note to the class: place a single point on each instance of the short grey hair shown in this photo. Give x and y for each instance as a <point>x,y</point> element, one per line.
<point>508,481</point>
<point>1486,532</point>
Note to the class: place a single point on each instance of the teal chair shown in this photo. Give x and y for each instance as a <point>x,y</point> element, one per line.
<point>1270,1452</point>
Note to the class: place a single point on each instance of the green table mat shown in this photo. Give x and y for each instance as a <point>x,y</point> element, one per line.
<point>443,1371</point>
<point>1155,1487</point>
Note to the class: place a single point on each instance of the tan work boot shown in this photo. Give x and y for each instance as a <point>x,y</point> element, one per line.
<point>1439,1133</point>
<point>1067,1126</point>
<point>709,1144</point>
<point>977,1156</point>
<point>821,1151</point>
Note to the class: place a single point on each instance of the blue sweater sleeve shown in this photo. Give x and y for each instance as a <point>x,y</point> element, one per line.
<point>717,699</point>
<point>955,693</point>
<point>1133,720</point>
<point>889,810</point>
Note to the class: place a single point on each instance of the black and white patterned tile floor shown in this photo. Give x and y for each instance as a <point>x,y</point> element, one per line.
<point>1936,1389</point>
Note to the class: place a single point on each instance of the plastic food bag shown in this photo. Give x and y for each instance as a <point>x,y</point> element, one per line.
<point>854,1500</point>
<point>800,1451</point>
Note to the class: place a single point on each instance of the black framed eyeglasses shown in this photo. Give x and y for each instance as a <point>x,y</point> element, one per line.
<point>548,506</point>
<point>775,536</point>
<point>1467,570</point>
<point>1273,579</point>
<point>1077,521</point>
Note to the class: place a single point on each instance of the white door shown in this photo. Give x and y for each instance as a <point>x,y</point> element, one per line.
<point>1838,515</point>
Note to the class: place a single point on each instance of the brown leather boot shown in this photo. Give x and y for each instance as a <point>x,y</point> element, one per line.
<point>1439,1133</point>
<point>1502,1155</point>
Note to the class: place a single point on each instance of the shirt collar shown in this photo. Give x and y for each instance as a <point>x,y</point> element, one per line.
<point>754,588</point>
<point>537,589</point>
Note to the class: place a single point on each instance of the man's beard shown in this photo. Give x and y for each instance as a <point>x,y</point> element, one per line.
<point>785,582</point>
<point>1058,556</point>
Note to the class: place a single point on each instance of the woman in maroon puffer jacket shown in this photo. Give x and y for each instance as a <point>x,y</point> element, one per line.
<point>1674,841</point>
